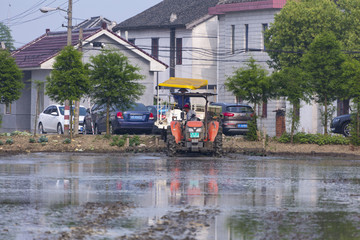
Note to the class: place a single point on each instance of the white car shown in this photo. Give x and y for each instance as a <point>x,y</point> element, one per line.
<point>52,119</point>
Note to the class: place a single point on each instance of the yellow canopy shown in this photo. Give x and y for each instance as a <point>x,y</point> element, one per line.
<point>184,83</point>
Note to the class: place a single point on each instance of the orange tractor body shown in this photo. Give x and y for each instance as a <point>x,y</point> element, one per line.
<point>195,136</point>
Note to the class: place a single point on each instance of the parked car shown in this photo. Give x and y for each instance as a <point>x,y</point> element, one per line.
<point>135,119</point>
<point>341,124</point>
<point>235,117</point>
<point>52,119</point>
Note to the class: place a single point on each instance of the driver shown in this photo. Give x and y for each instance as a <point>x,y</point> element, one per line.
<point>190,114</point>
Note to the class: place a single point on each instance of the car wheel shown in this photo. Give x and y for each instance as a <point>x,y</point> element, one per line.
<point>41,129</point>
<point>59,129</point>
<point>346,129</point>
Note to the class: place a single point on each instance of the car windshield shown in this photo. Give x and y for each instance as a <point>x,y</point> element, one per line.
<point>239,109</point>
<point>82,111</point>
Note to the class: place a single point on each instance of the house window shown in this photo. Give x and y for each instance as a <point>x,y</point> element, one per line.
<point>132,40</point>
<point>343,107</point>
<point>264,110</point>
<point>178,51</point>
<point>264,28</point>
<point>8,108</point>
<point>232,44</point>
<point>155,47</point>
<point>246,37</point>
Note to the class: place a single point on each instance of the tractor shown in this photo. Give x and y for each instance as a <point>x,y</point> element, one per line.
<point>203,135</point>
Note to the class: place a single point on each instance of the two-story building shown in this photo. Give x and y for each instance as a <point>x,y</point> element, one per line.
<point>181,34</point>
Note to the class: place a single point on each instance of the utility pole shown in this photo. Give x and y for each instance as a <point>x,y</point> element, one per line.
<point>67,102</point>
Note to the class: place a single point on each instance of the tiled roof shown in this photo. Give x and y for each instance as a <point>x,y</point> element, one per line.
<point>45,47</point>
<point>33,54</point>
<point>94,22</point>
<point>226,6</point>
<point>168,13</point>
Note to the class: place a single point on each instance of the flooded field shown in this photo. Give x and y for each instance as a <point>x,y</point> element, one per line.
<point>138,196</point>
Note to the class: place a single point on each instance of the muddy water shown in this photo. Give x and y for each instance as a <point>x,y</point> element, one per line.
<point>65,196</point>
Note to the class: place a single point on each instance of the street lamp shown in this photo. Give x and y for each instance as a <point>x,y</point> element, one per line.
<point>49,9</point>
<point>69,27</point>
<point>69,18</point>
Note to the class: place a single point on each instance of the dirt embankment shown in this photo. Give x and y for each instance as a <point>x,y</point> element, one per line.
<point>153,143</point>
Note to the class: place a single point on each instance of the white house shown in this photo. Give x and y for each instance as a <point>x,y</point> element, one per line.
<point>36,59</point>
<point>180,33</point>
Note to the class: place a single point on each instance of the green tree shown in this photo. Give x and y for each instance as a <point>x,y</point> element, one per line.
<point>5,36</point>
<point>296,26</point>
<point>351,73</point>
<point>292,84</point>
<point>115,81</point>
<point>10,79</point>
<point>251,84</point>
<point>323,64</point>
<point>351,25</point>
<point>69,78</point>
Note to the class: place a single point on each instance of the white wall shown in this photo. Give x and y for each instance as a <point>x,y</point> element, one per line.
<point>204,42</point>
<point>199,46</point>
<point>228,62</point>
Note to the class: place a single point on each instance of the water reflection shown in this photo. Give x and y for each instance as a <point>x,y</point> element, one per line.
<point>259,198</point>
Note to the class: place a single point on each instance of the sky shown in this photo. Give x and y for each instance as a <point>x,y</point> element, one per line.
<point>26,22</point>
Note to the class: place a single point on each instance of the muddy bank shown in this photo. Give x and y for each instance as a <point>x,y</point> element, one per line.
<point>153,143</point>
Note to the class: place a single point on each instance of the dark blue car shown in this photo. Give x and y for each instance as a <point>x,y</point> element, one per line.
<point>136,119</point>
<point>341,124</point>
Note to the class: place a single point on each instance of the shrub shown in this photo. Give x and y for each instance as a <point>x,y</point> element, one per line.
<point>43,139</point>
<point>1,143</point>
<point>107,136</point>
<point>67,141</point>
<point>116,141</point>
<point>285,138</point>
<point>251,135</point>
<point>9,141</point>
<point>19,133</point>
<point>120,142</point>
<point>32,140</point>
<point>134,141</point>
<point>319,139</point>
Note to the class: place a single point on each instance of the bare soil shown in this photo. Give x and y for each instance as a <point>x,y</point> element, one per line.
<point>153,143</point>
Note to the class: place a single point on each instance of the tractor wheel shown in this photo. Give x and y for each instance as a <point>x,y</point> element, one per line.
<point>170,144</point>
<point>218,144</point>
